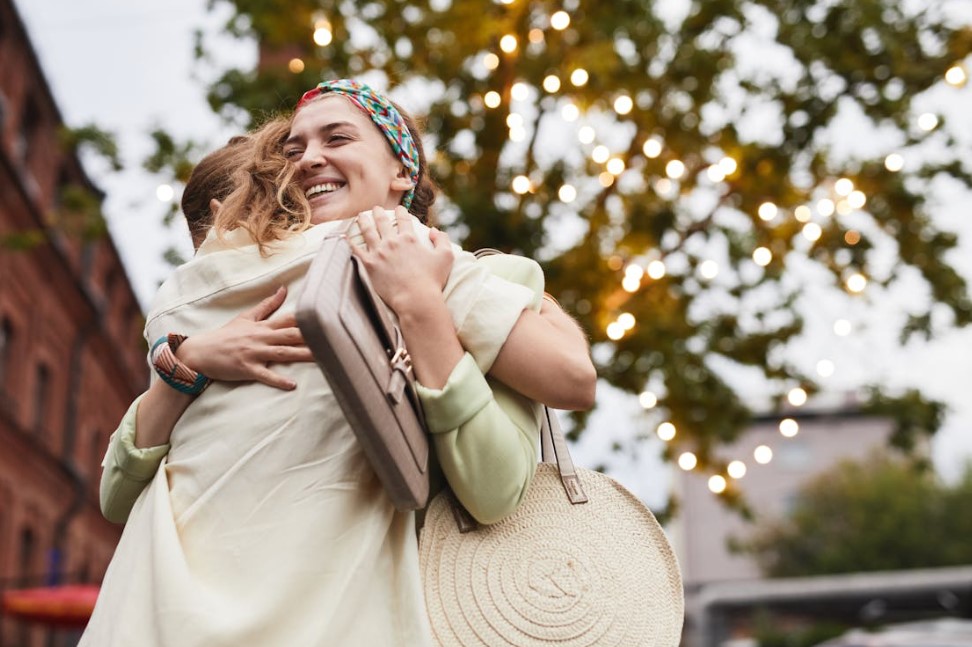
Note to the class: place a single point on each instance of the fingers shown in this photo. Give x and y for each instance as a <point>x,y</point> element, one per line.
<point>366,225</point>
<point>403,220</point>
<point>267,307</point>
<point>383,223</point>
<point>440,239</point>
<point>266,376</point>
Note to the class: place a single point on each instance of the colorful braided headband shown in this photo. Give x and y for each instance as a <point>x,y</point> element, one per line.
<point>385,116</point>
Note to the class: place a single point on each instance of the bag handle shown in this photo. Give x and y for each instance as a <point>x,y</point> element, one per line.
<point>553,449</point>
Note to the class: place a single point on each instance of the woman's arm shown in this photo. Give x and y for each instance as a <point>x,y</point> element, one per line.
<point>240,351</point>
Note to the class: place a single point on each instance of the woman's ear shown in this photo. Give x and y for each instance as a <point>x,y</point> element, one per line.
<point>402,181</point>
<point>214,206</point>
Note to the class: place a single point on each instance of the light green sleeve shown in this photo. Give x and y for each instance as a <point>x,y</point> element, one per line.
<point>485,437</point>
<point>127,469</point>
<point>484,433</point>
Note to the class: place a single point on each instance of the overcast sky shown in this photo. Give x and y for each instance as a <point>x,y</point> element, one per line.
<point>127,66</point>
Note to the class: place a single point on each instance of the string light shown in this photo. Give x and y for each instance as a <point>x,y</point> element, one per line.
<point>802,213</point>
<point>852,237</point>
<point>600,154</point>
<point>623,104</point>
<point>927,122</point>
<point>797,397</point>
<point>812,231</point>
<point>520,91</point>
<point>666,431</point>
<point>842,327</point>
<point>322,33</point>
<point>844,207</point>
<point>843,187</point>
<point>560,20</point>
<point>736,469</point>
<point>615,331</point>
<point>508,43</point>
<point>894,162</point>
<point>687,461</point>
<point>514,120</point>
<point>492,99</point>
<point>569,112</point>
<point>579,77</point>
<point>517,134</point>
<point>728,165</point>
<point>521,184</point>
<point>605,179</point>
<point>789,427</point>
<point>295,65</point>
<point>615,166</point>
<point>767,211</point>
<point>956,76</point>
<point>856,283</point>
<point>491,61</point>
<point>717,484</point>
<point>675,169</point>
<point>551,83</point>
<point>647,399</point>
<point>652,147</point>
<point>709,269</point>
<point>762,256</point>
<point>586,135</point>
<point>535,35</point>
<point>627,320</point>
<point>656,270</point>
<point>567,193</point>
<point>763,454</point>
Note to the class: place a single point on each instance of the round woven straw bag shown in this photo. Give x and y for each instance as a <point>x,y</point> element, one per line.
<point>596,572</point>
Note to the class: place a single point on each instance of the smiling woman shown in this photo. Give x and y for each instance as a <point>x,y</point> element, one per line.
<point>264,524</point>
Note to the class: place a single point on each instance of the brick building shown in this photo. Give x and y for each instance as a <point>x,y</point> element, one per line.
<point>71,352</point>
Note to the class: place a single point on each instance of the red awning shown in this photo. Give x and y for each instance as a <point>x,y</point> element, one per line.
<point>61,606</point>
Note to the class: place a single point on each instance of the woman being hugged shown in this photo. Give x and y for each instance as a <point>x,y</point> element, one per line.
<point>265,525</point>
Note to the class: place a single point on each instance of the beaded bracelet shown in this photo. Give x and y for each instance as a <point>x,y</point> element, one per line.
<point>173,372</point>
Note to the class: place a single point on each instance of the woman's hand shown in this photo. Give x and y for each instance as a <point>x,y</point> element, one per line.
<point>241,350</point>
<point>402,269</point>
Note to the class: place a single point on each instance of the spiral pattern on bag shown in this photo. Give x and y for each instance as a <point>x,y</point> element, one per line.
<point>600,573</point>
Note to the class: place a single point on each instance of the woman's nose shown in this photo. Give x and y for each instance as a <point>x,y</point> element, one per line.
<point>313,157</point>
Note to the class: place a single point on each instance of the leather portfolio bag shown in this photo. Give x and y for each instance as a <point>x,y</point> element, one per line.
<point>359,347</point>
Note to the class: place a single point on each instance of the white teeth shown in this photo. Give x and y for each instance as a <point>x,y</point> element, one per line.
<point>327,187</point>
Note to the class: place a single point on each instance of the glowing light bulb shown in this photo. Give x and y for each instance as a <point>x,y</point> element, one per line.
<point>491,61</point>
<point>520,91</point>
<point>763,454</point>
<point>623,104</point>
<point>322,33</point>
<point>802,213</point>
<point>615,166</point>
<point>521,184</point>
<point>767,211</point>
<point>295,65</point>
<point>656,270</point>
<point>647,400</point>
<point>586,134</point>
<point>927,121</point>
<point>715,173</point>
<point>857,199</point>
<point>535,35</point>
<point>615,331</point>
<point>560,20</point>
<point>605,179</point>
<point>956,76</point>
<point>666,431</point>
<point>627,320</point>
<point>675,169</point>
<point>789,427</point>
<point>600,154</point>
<point>825,207</point>
<point>514,120</point>
<point>736,469</point>
<point>797,397</point>
<point>630,284</point>
<point>508,43</point>
<point>579,77</point>
<point>551,83</point>
<point>812,231</point>
<point>687,461</point>
<point>164,193</point>
<point>894,162</point>
<point>825,368</point>
<point>652,148</point>
<point>569,112</point>
<point>856,283</point>
<point>717,484</point>
<point>728,165</point>
<point>709,269</point>
<point>492,99</point>
<point>567,193</point>
<point>762,256</point>
<point>843,186</point>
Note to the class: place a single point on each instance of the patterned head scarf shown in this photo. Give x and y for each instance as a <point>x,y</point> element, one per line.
<point>384,115</point>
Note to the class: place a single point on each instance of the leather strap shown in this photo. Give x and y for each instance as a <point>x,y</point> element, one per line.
<point>553,449</point>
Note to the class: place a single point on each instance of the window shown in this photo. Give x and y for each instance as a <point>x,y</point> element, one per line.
<point>42,388</point>
<point>27,553</point>
<point>29,123</point>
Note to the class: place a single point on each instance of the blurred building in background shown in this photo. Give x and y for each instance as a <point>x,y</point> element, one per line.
<point>71,353</point>
<point>725,590</point>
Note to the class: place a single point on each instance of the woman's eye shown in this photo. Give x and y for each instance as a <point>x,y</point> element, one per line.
<point>338,138</point>
<point>292,154</point>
